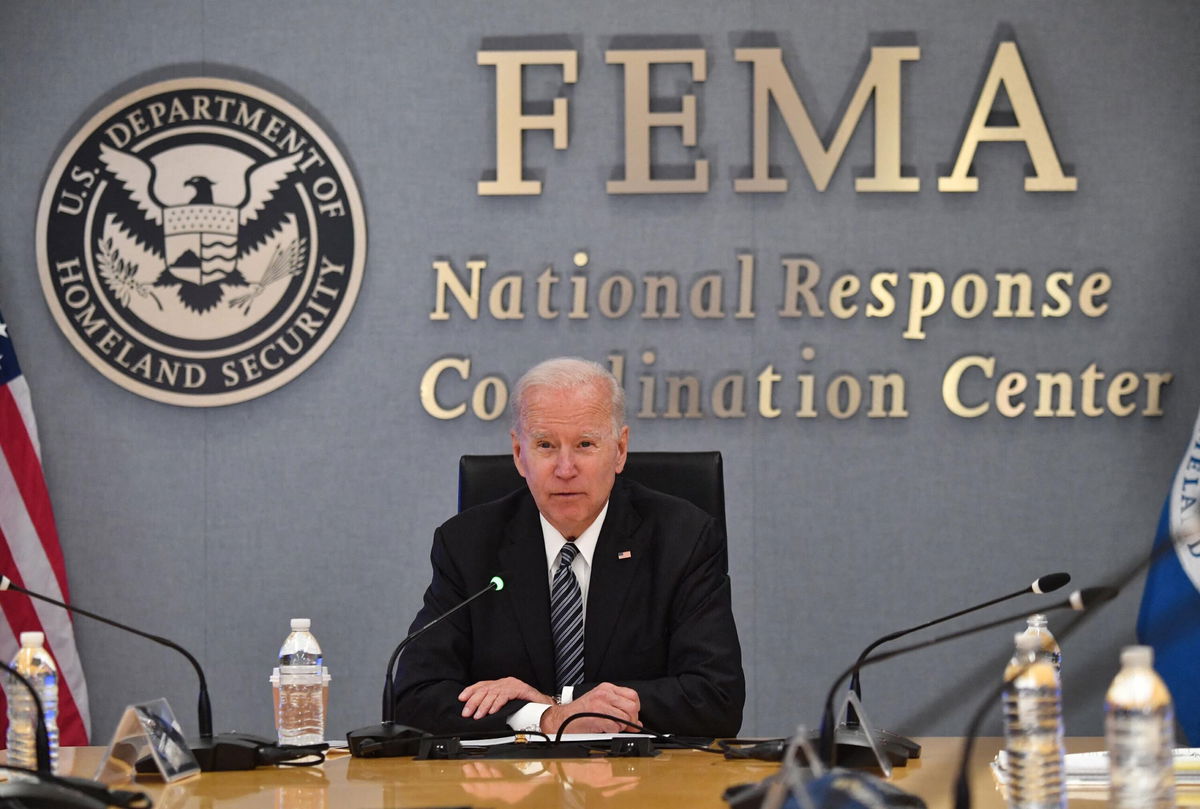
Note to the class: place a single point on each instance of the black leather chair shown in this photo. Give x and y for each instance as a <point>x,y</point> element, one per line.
<point>695,476</point>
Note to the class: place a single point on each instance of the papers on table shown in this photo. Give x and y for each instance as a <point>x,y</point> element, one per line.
<point>567,737</point>
<point>1087,774</point>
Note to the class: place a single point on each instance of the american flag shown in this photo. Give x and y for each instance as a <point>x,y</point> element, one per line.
<point>29,550</point>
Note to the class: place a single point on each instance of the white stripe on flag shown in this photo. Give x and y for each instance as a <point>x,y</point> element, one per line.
<point>23,539</point>
<point>20,393</point>
<point>38,575</point>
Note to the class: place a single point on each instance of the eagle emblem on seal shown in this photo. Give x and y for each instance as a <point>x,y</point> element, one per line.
<point>202,241</point>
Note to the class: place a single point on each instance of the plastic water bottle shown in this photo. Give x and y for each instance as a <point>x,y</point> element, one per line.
<point>35,663</point>
<point>1047,645</point>
<point>1139,728</point>
<point>1033,730</point>
<point>300,705</point>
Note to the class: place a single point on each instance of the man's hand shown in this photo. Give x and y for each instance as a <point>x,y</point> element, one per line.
<point>605,698</point>
<point>488,696</point>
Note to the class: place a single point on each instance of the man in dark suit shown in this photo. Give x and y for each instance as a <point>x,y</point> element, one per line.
<point>617,597</point>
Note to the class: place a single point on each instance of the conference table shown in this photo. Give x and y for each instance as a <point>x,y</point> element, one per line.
<point>675,778</point>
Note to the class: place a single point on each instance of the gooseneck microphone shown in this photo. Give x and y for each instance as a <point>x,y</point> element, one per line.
<point>389,703</point>
<point>1041,585</point>
<point>203,708</point>
<point>962,785</point>
<point>388,739</point>
<point>850,735</point>
<point>1080,601</point>
<point>226,751</point>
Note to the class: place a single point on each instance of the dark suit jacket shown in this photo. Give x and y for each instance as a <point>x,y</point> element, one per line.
<point>658,622</point>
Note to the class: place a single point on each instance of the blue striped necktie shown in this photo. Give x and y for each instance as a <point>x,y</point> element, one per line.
<point>566,620</point>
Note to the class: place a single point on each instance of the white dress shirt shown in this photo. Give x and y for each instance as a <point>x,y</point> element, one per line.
<point>529,717</point>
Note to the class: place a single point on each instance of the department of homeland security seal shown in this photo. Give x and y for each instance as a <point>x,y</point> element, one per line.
<point>201,241</point>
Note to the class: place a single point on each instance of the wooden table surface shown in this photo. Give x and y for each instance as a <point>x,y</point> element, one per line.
<point>676,778</point>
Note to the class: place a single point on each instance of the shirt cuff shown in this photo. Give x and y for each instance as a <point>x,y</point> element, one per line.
<point>568,694</point>
<point>528,718</point>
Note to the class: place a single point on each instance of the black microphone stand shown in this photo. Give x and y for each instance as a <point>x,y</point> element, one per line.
<point>220,752</point>
<point>388,739</point>
<point>1054,581</point>
<point>1081,600</point>
<point>962,784</point>
<point>900,748</point>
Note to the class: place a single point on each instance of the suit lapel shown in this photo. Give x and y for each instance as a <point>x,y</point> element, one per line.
<point>617,557</point>
<point>524,559</point>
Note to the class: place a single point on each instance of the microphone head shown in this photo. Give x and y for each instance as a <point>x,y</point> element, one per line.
<point>1050,582</point>
<point>1089,597</point>
<point>498,583</point>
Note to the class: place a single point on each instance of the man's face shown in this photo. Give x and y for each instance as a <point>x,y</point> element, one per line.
<point>565,449</point>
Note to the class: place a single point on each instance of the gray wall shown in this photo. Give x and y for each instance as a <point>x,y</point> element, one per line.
<point>215,526</point>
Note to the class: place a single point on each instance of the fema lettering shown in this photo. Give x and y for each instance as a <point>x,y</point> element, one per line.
<point>772,87</point>
<point>201,242</point>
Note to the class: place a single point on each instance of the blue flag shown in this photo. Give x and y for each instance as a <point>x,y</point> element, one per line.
<point>1170,615</point>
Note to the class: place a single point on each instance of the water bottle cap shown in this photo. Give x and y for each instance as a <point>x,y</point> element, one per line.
<point>1141,656</point>
<point>1037,619</point>
<point>34,639</point>
<point>301,624</point>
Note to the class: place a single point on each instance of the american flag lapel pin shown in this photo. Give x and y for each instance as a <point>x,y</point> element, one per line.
<point>625,555</point>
